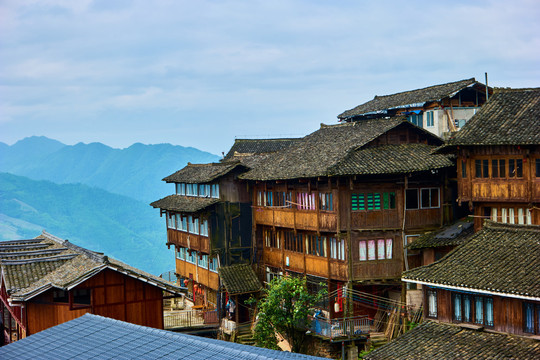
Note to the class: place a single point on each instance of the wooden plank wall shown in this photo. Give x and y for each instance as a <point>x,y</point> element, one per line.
<point>113,294</point>
<point>525,189</point>
<point>190,241</point>
<point>507,312</point>
<point>202,276</point>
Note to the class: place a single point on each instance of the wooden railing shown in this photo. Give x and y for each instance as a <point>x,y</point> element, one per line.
<point>191,318</point>
<point>352,327</point>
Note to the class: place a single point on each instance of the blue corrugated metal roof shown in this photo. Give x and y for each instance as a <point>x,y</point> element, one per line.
<point>96,337</point>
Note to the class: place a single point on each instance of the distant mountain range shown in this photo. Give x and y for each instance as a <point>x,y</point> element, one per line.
<point>135,171</point>
<point>96,196</point>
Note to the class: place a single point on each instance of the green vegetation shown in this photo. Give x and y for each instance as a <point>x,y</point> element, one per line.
<point>123,228</point>
<point>284,309</point>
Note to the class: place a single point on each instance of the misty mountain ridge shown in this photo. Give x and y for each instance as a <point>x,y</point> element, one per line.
<point>135,171</point>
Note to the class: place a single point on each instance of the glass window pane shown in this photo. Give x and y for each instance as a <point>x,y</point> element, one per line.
<point>380,249</point>
<point>495,168</point>
<point>502,168</point>
<point>478,168</point>
<point>412,198</point>
<point>363,250</point>
<point>494,214</point>
<point>392,196</point>
<point>389,245</point>
<point>434,198</point>
<point>371,250</point>
<point>489,311</point>
<point>424,198</point>
<point>485,168</point>
<point>478,310</point>
<point>467,307</point>
<point>457,306</point>
<point>519,168</point>
<point>511,168</point>
<point>529,317</point>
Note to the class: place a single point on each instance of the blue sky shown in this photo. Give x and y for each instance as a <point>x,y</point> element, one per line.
<point>200,73</point>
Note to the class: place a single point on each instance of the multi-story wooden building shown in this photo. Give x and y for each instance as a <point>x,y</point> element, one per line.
<point>339,205</point>
<point>47,281</point>
<point>484,292</point>
<point>498,161</point>
<point>438,109</point>
<point>478,298</point>
<point>208,223</point>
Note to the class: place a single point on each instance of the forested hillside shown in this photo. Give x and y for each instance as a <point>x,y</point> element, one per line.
<point>121,227</point>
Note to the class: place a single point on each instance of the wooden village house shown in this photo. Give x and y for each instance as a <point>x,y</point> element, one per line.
<point>485,292</point>
<point>439,109</point>
<point>482,301</point>
<point>47,281</point>
<point>209,222</point>
<point>339,205</point>
<point>209,225</point>
<point>498,159</point>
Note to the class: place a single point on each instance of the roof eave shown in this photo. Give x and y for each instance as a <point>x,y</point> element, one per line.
<point>470,289</point>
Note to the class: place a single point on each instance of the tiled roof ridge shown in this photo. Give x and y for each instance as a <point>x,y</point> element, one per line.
<point>425,88</point>
<point>92,255</point>
<point>507,90</point>
<point>36,260</point>
<point>443,340</point>
<point>266,139</point>
<point>490,224</point>
<point>408,97</point>
<point>31,252</point>
<point>23,246</point>
<point>229,163</point>
<point>16,242</point>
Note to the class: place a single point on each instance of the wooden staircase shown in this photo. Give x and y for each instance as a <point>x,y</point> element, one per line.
<point>244,335</point>
<point>377,339</point>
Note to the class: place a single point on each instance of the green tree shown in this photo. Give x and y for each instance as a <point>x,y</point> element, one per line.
<point>284,308</point>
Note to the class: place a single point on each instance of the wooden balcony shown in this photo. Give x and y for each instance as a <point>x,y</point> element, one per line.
<point>303,263</point>
<point>190,241</point>
<point>503,190</point>
<point>296,219</point>
<point>423,217</point>
<point>378,269</point>
<point>341,329</point>
<point>377,219</point>
<point>202,276</point>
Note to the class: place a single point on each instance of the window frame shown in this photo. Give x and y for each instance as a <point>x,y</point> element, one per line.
<point>470,313</point>
<point>371,249</point>
<point>432,303</point>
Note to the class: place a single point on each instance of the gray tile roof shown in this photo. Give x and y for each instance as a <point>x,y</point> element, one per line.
<point>96,337</point>
<point>419,96</point>
<point>431,340</point>
<point>186,204</point>
<point>391,159</point>
<point>452,235</point>
<point>318,153</point>
<point>32,266</point>
<point>259,146</point>
<point>202,173</point>
<point>239,279</point>
<point>510,117</point>
<point>499,259</point>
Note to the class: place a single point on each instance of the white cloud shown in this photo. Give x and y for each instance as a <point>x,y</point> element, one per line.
<point>250,65</point>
